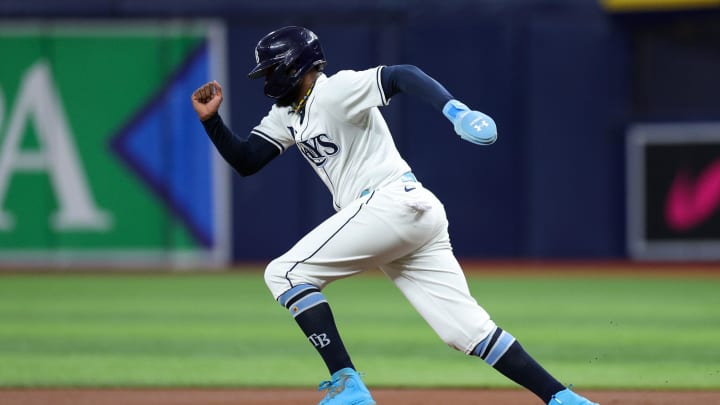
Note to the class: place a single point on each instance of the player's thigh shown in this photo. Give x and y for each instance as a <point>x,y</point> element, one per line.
<point>364,235</point>
<point>434,283</point>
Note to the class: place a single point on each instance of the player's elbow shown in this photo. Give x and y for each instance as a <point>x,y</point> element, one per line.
<point>245,171</point>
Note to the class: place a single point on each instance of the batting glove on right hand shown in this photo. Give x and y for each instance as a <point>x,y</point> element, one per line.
<point>472,126</point>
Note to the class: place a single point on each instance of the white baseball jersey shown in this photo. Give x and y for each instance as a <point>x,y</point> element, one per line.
<point>386,219</point>
<point>341,133</point>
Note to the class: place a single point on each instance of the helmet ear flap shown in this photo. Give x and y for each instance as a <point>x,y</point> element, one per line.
<point>291,71</point>
<point>290,68</point>
<point>279,82</point>
<point>290,65</point>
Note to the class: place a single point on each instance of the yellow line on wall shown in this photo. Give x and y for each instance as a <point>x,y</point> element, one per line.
<point>657,5</point>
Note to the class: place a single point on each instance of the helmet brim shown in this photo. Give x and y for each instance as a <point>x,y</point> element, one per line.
<point>259,70</point>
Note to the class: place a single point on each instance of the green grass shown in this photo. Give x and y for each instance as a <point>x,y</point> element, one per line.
<point>226,330</point>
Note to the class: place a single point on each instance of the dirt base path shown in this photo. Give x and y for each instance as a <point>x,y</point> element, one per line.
<point>308,397</point>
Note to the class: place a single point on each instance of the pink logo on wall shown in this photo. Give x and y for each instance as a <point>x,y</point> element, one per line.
<point>691,201</point>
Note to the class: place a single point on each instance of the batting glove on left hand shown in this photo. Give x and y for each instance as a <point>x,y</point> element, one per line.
<point>472,126</point>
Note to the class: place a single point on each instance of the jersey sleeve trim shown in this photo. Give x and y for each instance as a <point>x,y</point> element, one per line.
<point>378,81</point>
<point>269,139</point>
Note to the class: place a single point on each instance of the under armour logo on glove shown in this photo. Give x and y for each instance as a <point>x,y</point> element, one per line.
<point>479,126</point>
<point>472,126</point>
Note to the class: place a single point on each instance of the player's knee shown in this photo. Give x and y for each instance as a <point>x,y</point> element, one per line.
<point>455,341</point>
<point>279,280</point>
<point>465,339</point>
<point>275,279</point>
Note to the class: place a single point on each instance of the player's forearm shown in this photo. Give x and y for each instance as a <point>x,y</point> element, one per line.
<point>411,80</point>
<point>245,156</point>
<point>472,126</point>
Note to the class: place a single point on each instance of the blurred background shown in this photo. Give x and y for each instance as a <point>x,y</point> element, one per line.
<point>608,117</point>
<point>608,155</point>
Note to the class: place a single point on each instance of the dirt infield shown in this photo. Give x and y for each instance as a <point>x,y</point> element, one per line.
<point>308,397</point>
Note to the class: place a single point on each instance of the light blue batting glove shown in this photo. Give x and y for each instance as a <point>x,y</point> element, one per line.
<point>472,126</point>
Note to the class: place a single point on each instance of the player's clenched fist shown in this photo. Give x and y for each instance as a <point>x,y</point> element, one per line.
<point>207,99</point>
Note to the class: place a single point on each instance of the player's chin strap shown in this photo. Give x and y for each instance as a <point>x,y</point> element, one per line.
<point>301,103</point>
<point>472,126</point>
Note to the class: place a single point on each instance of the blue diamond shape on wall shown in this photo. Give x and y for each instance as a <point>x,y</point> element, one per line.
<point>165,145</point>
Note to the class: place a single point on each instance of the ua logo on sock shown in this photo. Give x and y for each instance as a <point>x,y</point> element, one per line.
<point>320,340</point>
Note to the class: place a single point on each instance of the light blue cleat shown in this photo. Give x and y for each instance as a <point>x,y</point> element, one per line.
<point>567,397</point>
<point>345,388</point>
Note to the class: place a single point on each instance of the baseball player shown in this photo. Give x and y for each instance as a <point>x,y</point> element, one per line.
<point>385,217</point>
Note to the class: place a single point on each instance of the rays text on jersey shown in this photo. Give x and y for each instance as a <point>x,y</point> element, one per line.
<point>318,149</point>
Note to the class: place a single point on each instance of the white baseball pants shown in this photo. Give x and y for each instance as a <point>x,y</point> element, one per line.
<point>404,233</point>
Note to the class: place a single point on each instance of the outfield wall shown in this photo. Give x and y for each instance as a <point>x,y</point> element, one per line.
<point>564,81</point>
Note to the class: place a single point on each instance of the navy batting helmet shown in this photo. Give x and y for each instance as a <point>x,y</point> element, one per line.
<point>284,56</point>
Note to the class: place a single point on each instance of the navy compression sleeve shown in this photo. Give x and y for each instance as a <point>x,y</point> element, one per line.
<point>245,156</point>
<point>411,80</point>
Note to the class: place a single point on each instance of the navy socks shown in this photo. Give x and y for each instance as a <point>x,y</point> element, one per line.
<point>312,313</point>
<point>506,355</point>
<point>500,349</point>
